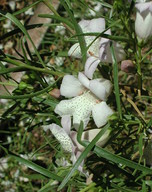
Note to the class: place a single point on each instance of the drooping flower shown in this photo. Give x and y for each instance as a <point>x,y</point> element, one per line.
<point>64,137</point>
<point>68,139</point>
<point>99,49</point>
<point>143,22</point>
<point>89,97</point>
<point>62,134</point>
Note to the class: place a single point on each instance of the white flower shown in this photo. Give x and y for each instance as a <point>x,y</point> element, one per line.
<point>99,49</point>
<point>64,136</point>
<point>143,22</point>
<point>89,26</point>
<point>68,140</point>
<point>89,135</point>
<point>89,97</point>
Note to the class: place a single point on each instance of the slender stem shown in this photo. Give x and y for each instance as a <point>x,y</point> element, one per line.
<point>139,73</point>
<point>8,84</point>
<point>13,69</point>
<point>26,96</point>
<point>49,5</point>
<point>116,81</point>
<point>21,64</point>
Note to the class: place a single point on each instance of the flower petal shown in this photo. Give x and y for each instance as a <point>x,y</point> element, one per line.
<point>100,113</point>
<point>103,44</point>
<point>66,123</point>
<point>143,19</point>
<point>97,25</point>
<point>84,25</point>
<point>71,86</point>
<point>101,88</point>
<point>89,136</point>
<point>83,79</point>
<point>98,89</point>
<point>90,66</point>
<point>119,53</point>
<point>77,118</point>
<point>46,127</point>
<point>65,107</point>
<point>94,25</point>
<point>62,137</point>
<point>79,107</point>
<point>75,51</point>
<point>143,6</point>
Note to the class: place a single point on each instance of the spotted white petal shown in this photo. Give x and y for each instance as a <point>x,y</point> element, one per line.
<point>100,113</point>
<point>83,79</point>
<point>83,106</point>
<point>65,107</point>
<point>62,137</point>
<point>71,86</point>
<point>66,123</point>
<point>79,107</point>
<point>90,66</point>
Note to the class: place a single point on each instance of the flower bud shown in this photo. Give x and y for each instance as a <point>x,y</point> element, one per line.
<point>55,93</point>
<point>143,22</point>
<point>127,66</point>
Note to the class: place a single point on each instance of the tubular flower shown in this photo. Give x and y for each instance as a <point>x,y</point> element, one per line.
<point>68,139</point>
<point>64,136</point>
<point>99,49</point>
<point>89,26</point>
<point>89,97</point>
<point>143,22</point>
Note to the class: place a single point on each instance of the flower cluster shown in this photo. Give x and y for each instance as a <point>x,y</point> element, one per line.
<point>86,97</point>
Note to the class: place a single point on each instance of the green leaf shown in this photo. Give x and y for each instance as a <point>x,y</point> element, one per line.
<point>25,96</point>
<point>22,28</point>
<point>78,30</point>
<point>120,160</point>
<point>58,18</point>
<point>116,82</point>
<point>36,168</point>
<point>82,156</point>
